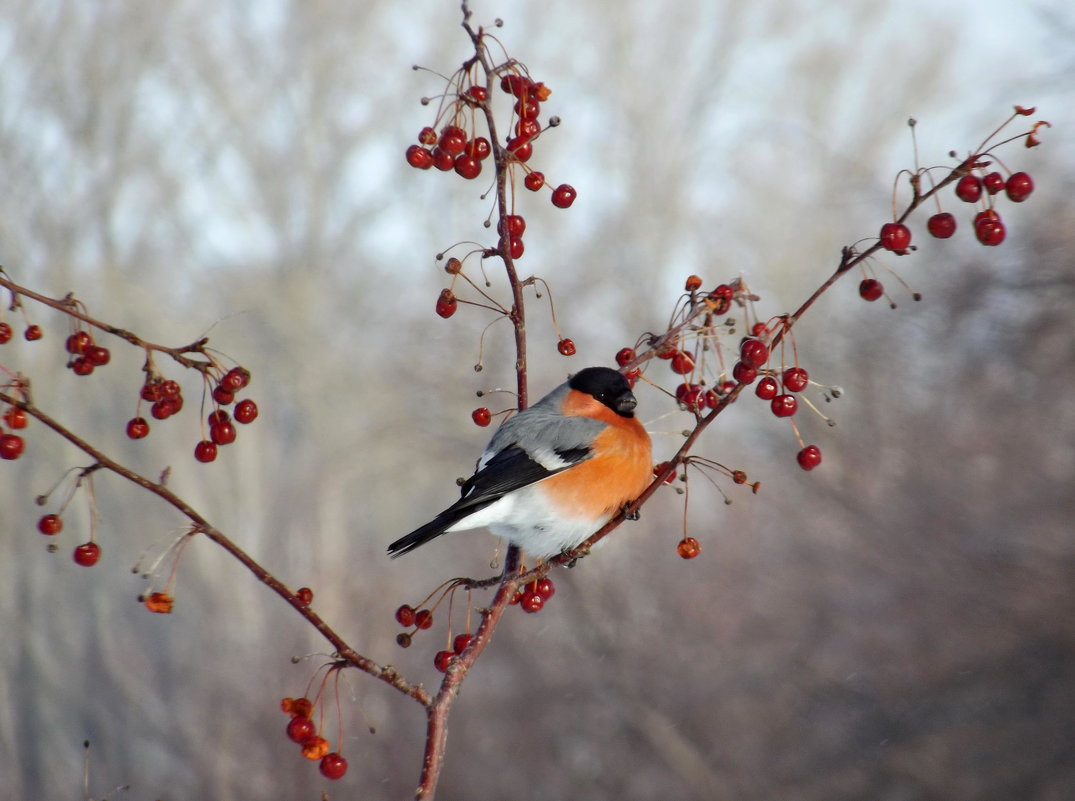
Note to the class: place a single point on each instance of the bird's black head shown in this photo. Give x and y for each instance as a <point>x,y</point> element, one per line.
<point>607,386</point>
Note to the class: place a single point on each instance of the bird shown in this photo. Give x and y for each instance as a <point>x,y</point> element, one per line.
<point>554,473</point>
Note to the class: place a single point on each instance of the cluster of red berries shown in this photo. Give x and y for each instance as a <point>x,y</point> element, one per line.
<point>442,659</point>
<point>409,617</point>
<point>87,554</point>
<point>532,597</point>
<point>301,730</point>
<point>85,354</point>
<point>166,397</point>
<point>11,444</point>
<point>31,333</point>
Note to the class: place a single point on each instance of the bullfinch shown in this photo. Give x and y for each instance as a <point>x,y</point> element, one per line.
<point>554,473</point>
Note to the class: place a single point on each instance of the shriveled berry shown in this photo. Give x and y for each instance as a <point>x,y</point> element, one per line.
<point>314,748</point>
<point>205,451</point>
<point>446,303</point>
<point>50,525</point>
<point>481,416</point>
<point>993,182</point>
<point>419,157</point>
<point>160,603</point>
<point>333,766</point>
<point>6,332</point>
<point>688,548</point>
<point>693,284</point>
<point>871,289</point>
<point>795,379</point>
<point>300,729</point>
<point>625,356</point>
<point>246,411</point>
<point>969,188</point>
<point>423,618</point>
<point>895,236</point>
<point>87,554</point>
<point>942,225</point>
<point>302,708</point>
<point>566,347</point>
<point>137,428</point>
<point>767,388</point>
<point>11,446</point>
<point>1019,186</point>
<point>534,180</point>
<point>33,332</point>
<point>427,136</point>
<point>784,405</point>
<point>809,457</point>
<point>563,196</point>
<point>405,615</point>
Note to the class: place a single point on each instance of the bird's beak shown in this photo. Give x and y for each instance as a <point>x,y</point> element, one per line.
<point>626,403</point>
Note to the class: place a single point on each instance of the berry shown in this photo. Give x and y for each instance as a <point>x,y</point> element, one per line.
<point>33,332</point>
<point>300,729</point>
<point>682,363</point>
<point>446,304</point>
<point>223,395</point>
<point>222,433</point>
<point>235,379</point>
<point>97,356</point>
<point>163,409</point>
<point>871,289</point>
<point>754,353</point>
<point>895,236</point>
<point>520,148</point>
<point>759,329</point>
<point>942,225</point>
<point>481,416</point>
<point>405,615</point>
<point>315,747</point>
<point>1019,187</point>
<point>990,231</point>
<point>531,602</point>
<point>452,140</point>
<point>50,525</point>
<point>246,411</point>
<point>333,766</point>
<point>533,181</point>
<point>688,548</point>
<point>467,166</point>
<point>693,284</point>
<point>784,405</point>
<point>15,417</point>
<point>77,342</point>
<point>301,708</point>
<point>478,93</point>
<point>563,196</point>
<point>5,329</point>
<point>460,642</point>
<point>744,374</point>
<point>442,159</point>
<point>993,182</point>
<point>712,399</point>
<point>809,457</point>
<point>625,356</point>
<point>795,379</point>
<point>441,660</point>
<point>767,388</point>
<point>419,158</point>
<point>423,618</point>
<point>479,148</point>
<point>11,446</point>
<point>566,347</point>
<point>516,247</point>
<point>217,416</point>
<point>160,603</point>
<point>690,396</point>
<point>527,108</point>
<point>82,366</point>
<point>305,595</point>
<point>205,451</point>
<point>658,469</point>
<point>137,428</point>
<point>513,224</point>
<point>527,129</point>
<point>969,188</point>
<point>427,136</point>
<point>87,554</point>
<point>544,587</point>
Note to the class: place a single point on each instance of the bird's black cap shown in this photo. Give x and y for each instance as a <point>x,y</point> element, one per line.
<point>607,386</point>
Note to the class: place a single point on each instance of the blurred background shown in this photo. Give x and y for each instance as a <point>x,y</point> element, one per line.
<point>895,625</point>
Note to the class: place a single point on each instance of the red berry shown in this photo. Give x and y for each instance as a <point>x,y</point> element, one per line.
<point>481,416</point>
<point>222,433</point>
<point>246,411</point>
<point>6,333</point>
<point>942,225</point>
<point>796,379</point>
<point>533,181</point>
<point>688,548</point>
<point>969,188</point>
<point>809,457</point>
<point>97,355</point>
<point>205,451</point>
<point>479,148</point>
<point>754,353</point>
<point>217,416</point>
<point>478,93</point>
<point>895,236</point>
<point>50,524</point>
<point>870,289</point>
<point>521,148</point>
<point>452,140</point>
<point>305,595</point>
<point>513,224</point>
<point>527,109</point>
<point>759,329</point>
<point>442,159</point>
<point>163,409</point>
<point>446,304</point>
<point>235,379</point>
<point>1019,187</point>
<point>300,729</point>
<point>712,399</point>
<point>784,405</point>
<point>137,428</point>
<point>527,129</point>
<point>82,366</point>
<point>531,602</point>
<point>657,470</point>
<point>441,660</point>
<point>467,166</point>
<point>419,158</point>
<point>516,84</point>
<point>87,554</point>
<point>625,356</point>
<point>15,417</point>
<point>693,284</point>
<point>427,136</point>
<point>333,766</point>
<point>33,332</point>
<point>566,347</point>
<point>990,231</point>
<point>423,618</point>
<point>301,708</point>
<point>690,396</point>
<point>563,196</point>
<point>544,587</point>
<point>993,182</point>
<point>743,373</point>
<point>682,363</point>
<point>77,342</point>
<point>516,247</point>
<point>222,395</point>
<point>11,446</point>
<point>767,388</point>
<point>405,615</point>
<point>460,642</point>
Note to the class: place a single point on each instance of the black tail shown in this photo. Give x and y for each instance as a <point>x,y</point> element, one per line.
<point>437,526</point>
